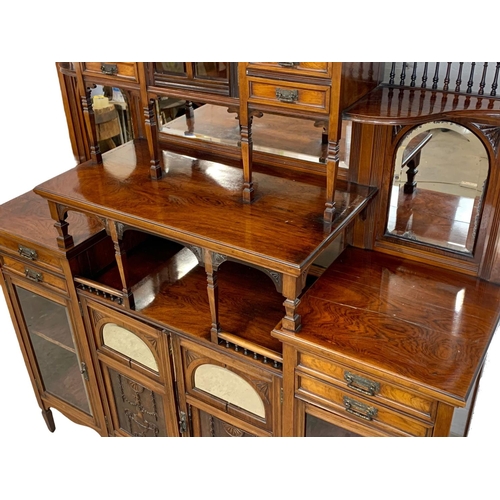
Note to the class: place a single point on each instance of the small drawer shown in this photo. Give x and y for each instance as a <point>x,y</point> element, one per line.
<point>294,96</point>
<point>34,273</point>
<point>118,70</point>
<point>31,254</point>
<point>360,409</point>
<point>315,69</point>
<point>368,386</point>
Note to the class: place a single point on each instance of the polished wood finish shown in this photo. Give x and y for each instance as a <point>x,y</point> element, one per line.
<point>415,337</point>
<point>231,312</point>
<point>394,106</point>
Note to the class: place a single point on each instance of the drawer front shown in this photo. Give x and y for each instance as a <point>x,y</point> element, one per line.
<point>316,69</point>
<point>120,70</point>
<point>293,96</point>
<point>31,254</point>
<point>35,274</point>
<point>360,409</point>
<point>231,386</point>
<point>368,386</point>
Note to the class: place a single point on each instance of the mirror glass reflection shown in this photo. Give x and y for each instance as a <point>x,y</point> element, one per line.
<point>112,115</point>
<point>272,134</point>
<point>440,175</point>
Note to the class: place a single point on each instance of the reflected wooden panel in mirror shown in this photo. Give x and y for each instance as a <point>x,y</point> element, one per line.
<point>113,117</point>
<point>276,135</point>
<point>439,182</point>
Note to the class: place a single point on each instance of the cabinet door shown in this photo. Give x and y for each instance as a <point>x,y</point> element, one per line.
<point>233,388</point>
<point>206,424</point>
<point>137,372</point>
<point>213,77</point>
<point>48,333</point>
<point>316,422</point>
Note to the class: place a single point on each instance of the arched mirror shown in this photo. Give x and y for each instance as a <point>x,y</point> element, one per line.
<point>440,175</point>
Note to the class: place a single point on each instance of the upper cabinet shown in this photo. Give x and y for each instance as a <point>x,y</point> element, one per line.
<point>212,77</point>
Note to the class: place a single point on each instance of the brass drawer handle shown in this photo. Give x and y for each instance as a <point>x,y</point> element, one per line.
<point>33,275</point>
<point>109,69</point>
<point>285,95</point>
<point>288,64</point>
<point>361,384</point>
<point>27,253</point>
<point>360,409</point>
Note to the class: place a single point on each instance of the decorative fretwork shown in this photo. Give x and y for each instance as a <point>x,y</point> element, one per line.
<point>263,389</point>
<point>138,390</point>
<point>217,260</point>
<point>191,356</point>
<point>231,430</point>
<point>98,316</point>
<point>198,253</point>
<point>146,426</point>
<point>492,133</point>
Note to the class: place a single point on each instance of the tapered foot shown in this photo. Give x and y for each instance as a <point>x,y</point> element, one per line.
<point>49,419</point>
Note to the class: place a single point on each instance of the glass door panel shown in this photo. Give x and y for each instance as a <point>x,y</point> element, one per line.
<point>51,335</point>
<point>315,427</point>
<point>170,68</point>
<point>215,70</point>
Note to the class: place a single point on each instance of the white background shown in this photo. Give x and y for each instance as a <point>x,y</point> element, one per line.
<point>75,462</point>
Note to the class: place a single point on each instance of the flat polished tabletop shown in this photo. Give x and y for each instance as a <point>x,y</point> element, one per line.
<point>416,322</point>
<point>199,202</point>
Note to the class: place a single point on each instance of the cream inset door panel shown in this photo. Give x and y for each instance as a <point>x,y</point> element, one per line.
<point>128,344</point>
<point>224,384</point>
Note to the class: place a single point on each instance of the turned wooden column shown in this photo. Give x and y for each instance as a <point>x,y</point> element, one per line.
<point>292,287</point>
<point>151,127</point>
<point>115,230</point>
<point>212,262</point>
<point>246,136</point>
<point>59,213</point>
<point>89,116</point>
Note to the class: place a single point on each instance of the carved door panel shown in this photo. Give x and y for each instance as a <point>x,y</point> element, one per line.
<point>207,425</point>
<point>137,372</point>
<point>137,410</point>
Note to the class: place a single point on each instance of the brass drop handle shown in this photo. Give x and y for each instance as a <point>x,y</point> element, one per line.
<point>287,95</point>
<point>361,384</point>
<point>27,253</point>
<point>33,275</point>
<point>359,409</point>
<point>288,64</point>
<point>109,69</point>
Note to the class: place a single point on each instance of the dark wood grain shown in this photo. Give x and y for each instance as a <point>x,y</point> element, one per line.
<point>414,322</point>
<point>27,217</point>
<point>387,105</point>
<point>199,202</point>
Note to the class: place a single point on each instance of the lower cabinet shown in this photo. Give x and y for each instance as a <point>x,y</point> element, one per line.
<point>227,394</point>
<point>136,372</point>
<point>58,362</point>
<point>206,425</point>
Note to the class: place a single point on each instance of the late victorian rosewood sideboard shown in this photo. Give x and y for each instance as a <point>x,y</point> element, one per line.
<point>263,249</point>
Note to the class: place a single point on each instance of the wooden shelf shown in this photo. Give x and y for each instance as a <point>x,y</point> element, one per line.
<point>199,202</point>
<point>395,106</point>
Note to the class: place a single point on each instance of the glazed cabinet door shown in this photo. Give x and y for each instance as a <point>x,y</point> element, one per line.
<point>137,373</point>
<point>53,350</point>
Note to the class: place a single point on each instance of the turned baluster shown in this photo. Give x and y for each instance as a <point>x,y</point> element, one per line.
<point>115,231</point>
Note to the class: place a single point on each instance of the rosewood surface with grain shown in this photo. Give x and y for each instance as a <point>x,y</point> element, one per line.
<point>199,203</point>
<point>419,325</point>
